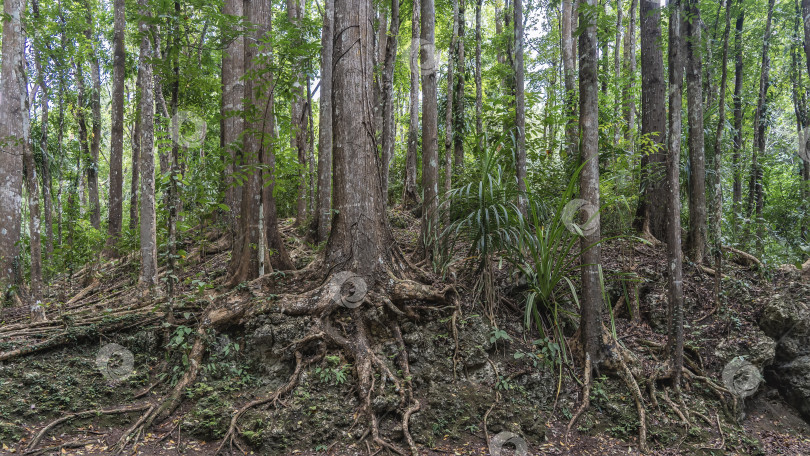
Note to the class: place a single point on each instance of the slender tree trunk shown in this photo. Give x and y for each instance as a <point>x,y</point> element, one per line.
<point>569,78</point>
<point>458,99</point>
<point>696,237</point>
<point>43,142</point>
<point>233,92</point>
<point>117,128</point>
<point>297,138</point>
<point>674,255</point>
<point>651,214</point>
<point>479,125</point>
<point>797,76</point>
<point>717,218</point>
<point>84,144</point>
<point>617,71</point>
<point>628,89</point>
<point>136,165</point>
<point>738,113</point>
<point>448,115</point>
<point>310,149</point>
<point>324,209</point>
<point>430,143</point>
<point>589,186</point>
<point>95,139</point>
<point>34,225</point>
<point>410,197</point>
<point>756,197</point>
<point>148,223</point>
<point>806,17</point>
<point>388,98</point>
<point>520,110</point>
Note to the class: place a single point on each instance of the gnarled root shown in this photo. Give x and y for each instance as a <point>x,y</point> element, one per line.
<point>586,396</point>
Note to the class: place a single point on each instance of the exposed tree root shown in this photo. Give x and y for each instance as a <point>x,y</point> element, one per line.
<point>746,258</point>
<point>85,414</point>
<point>586,396</point>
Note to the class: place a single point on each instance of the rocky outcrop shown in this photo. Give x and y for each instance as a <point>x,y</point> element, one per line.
<point>786,319</point>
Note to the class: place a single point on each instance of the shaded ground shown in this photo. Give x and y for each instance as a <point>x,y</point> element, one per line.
<point>497,376</point>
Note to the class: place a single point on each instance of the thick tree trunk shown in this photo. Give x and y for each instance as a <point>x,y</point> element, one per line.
<point>520,110</point>
<point>797,76</point>
<point>651,214</point>
<point>233,92</point>
<point>117,128</point>
<point>696,236</point>
<point>95,139</point>
<point>324,203</point>
<point>569,78</point>
<point>361,240</point>
<point>738,113</point>
<point>479,103</point>
<point>410,197</point>
<point>148,223</point>
<point>458,99</point>
<point>673,206</point>
<point>628,89</point>
<point>388,98</point>
<point>755,191</point>
<point>589,186</point>
<point>430,142</point>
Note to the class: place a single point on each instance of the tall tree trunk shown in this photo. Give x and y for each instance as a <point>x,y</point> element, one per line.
<point>310,149</point>
<point>430,142</point>
<point>520,109</point>
<point>324,210</point>
<point>651,215</point>
<point>628,89</point>
<point>297,138</point>
<point>617,71</point>
<point>800,92</point>
<point>755,192</point>
<point>43,142</point>
<point>257,231</point>
<point>34,225</point>
<point>569,78</point>
<point>448,115</point>
<point>136,167</point>
<point>388,98</point>
<point>95,138</point>
<point>589,185</point>
<point>361,239</point>
<point>458,99</point>
<point>233,92</point>
<point>410,197</point>
<point>673,206</point>
<point>738,113</point>
<point>479,125</point>
<point>84,142</point>
<point>117,128</point>
<point>806,17</point>
<point>696,236</point>
<point>148,223</point>
<point>717,202</point>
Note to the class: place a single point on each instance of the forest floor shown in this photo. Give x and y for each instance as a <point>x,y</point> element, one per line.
<point>475,384</point>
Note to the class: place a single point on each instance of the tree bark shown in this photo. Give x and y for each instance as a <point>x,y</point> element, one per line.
<point>479,125</point>
<point>458,98</point>
<point>651,213</point>
<point>806,21</point>
<point>388,98</point>
<point>117,128</point>
<point>298,142</point>
<point>324,203</point>
<point>34,225</point>
<point>233,94</point>
<point>696,238</point>
<point>448,115</point>
<point>410,197</point>
<point>717,217</point>
<point>43,142</point>
<point>148,223</point>
<point>95,137</point>
<point>630,73</point>
<point>136,164</point>
<point>673,206</point>
<point>738,113</point>
<point>430,142</point>
<point>520,110</point>
<point>361,240</point>
<point>589,185</point>
<point>569,78</point>
<point>617,71</point>
<point>755,192</point>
